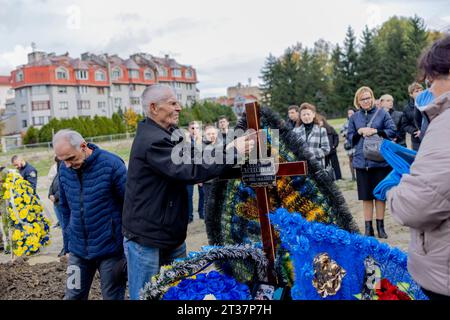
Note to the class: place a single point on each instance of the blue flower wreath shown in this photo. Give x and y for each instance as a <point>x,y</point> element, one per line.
<point>223,287</point>
<point>305,240</point>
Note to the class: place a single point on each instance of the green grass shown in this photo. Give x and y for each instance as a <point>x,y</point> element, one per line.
<point>337,123</point>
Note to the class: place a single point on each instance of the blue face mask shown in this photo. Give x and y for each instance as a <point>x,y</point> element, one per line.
<point>424,99</point>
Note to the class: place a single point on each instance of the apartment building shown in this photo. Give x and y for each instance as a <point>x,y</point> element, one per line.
<point>58,86</point>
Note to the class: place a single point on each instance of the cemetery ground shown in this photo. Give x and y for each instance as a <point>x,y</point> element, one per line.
<point>43,276</point>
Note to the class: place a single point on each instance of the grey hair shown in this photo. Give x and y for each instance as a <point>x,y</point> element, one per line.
<point>74,138</point>
<point>156,93</point>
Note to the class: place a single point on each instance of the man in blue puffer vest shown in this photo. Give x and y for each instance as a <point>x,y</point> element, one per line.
<point>92,187</point>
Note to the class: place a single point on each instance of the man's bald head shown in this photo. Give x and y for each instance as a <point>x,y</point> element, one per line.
<point>160,104</point>
<point>156,94</point>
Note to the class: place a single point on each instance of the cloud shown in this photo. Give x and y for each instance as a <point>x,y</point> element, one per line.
<point>126,42</point>
<point>12,59</point>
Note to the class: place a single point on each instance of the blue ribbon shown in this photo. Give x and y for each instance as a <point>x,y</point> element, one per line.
<point>400,159</point>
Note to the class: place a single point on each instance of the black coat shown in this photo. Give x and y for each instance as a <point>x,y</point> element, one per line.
<point>412,120</point>
<point>333,138</point>
<point>400,134</point>
<point>332,158</point>
<point>54,189</point>
<point>155,210</point>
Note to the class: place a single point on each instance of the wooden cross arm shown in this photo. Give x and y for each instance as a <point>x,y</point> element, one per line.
<point>297,168</point>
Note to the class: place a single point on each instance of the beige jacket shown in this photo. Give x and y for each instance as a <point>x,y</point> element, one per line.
<point>422,202</point>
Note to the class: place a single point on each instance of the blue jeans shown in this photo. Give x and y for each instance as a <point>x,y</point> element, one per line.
<point>81,272</point>
<point>143,262</point>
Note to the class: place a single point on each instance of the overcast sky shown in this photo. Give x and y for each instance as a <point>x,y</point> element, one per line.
<point>227,41</point>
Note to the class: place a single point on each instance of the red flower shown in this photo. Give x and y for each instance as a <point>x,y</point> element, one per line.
<point>388,291</point>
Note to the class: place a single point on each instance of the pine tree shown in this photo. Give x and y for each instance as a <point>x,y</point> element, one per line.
<point>349,68</point>
<point>268,77</point>
<point>338,99</point>
<point>417,40</point>
<point>368,60</point>
<point>394,71</point>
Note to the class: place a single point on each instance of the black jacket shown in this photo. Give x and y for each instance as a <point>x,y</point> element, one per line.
<point>54,188</point>
<point>412,120</point>
<point>400,134</point>
<point>156,202</point>
<point>333,138</point>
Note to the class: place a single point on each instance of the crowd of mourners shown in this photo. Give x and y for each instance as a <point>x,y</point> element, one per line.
<point>128,222</point>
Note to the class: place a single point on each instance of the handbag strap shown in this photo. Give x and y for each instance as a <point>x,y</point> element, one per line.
<point>373,118</point>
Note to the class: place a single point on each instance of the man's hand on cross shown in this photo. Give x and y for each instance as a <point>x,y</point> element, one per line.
<point>244,145</point>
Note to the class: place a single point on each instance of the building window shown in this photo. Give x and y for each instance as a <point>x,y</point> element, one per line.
<point>82,89</point>
<point>39,90</point>
<point>189,73</point>
<point>178,84</point>
<point>23,108</point>
<point>133,74</point>
<point>176,72</point>
<point>116,73</point>
<point>100,75</point>
<point>117,87</point>
<point>21,92</point>
<point>135,100</point>
<point>62,89</point>
<point>19,76</point>
<point>62,74</point>
<point>63,105</point>
<point>149,75</point>
<point>101,90</point>
<point>132,87</point>
<point>162,71</point>
<point>38,121</point>
<point>117,102</point>
<point>40,105</point>
<point>179,96</point>
<point>83,104</point>
<point>82,74</point>
<point>24,124</point>
<point>101,104</point>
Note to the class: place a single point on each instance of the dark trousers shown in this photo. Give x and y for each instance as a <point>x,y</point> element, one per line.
<point>206,193</point>
<point>81,272</point>
<point>334,161</point>
<point>190,204</point>
<point>201,202</point>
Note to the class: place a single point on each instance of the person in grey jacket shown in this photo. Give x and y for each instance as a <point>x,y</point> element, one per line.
<point>422,199</point>
<point>308,128</point>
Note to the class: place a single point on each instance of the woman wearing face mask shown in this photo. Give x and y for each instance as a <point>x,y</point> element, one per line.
<point>422,199</point>
<point>369,173</point>
<point>309,130</point>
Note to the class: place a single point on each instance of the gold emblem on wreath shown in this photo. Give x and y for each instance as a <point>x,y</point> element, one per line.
<point>327,275</point>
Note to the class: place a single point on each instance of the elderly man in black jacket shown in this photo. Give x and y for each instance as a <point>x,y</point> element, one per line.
<point>155,215</point>
<point>387,103</point>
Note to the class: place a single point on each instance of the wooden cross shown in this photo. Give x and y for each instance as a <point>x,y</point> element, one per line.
<point>297,168</point>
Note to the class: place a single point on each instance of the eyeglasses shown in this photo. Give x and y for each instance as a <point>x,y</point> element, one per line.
<point>365,99</point>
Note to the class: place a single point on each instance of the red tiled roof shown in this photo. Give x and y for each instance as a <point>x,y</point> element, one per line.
<point>5,80</point>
